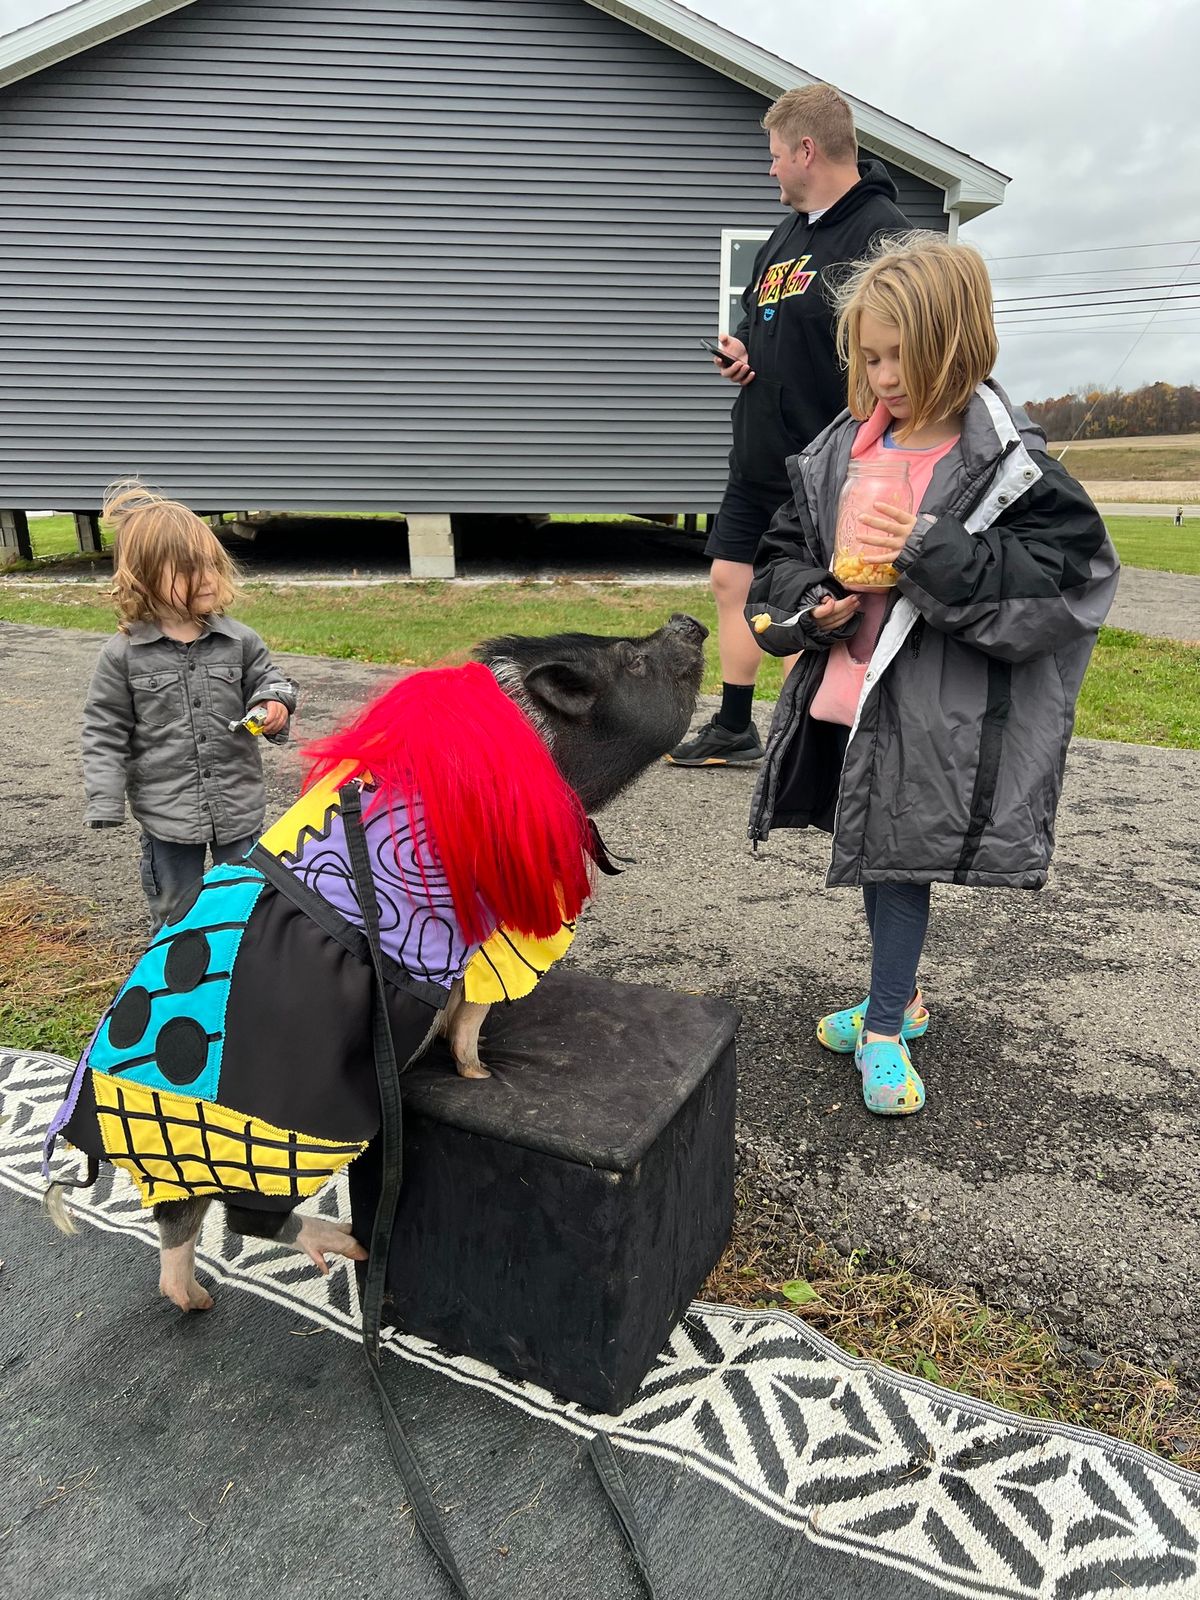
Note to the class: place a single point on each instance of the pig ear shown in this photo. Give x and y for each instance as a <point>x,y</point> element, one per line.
<point>562,688</point>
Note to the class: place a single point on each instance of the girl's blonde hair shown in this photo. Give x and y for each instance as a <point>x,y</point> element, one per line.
<point>939,296</point>
<point>158,540</point>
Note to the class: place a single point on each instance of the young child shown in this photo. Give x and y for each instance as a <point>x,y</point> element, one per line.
<point>937,755</point>
<point>167,687</point>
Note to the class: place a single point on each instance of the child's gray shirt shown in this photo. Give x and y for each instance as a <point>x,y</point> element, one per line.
<point>156,732</point>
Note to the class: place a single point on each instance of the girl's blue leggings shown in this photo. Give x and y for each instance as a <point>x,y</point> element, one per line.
<point>897,915</point>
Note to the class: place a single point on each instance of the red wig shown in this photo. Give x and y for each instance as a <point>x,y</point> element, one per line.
<point>508,830</point>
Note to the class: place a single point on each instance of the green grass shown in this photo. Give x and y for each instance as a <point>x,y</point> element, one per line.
<point>1157,543</point>
<point>1143,690</point>
<point>55,536</point>
<point>407,624</point>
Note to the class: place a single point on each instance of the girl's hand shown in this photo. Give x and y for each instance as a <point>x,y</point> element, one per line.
<point>831,613</point>
<point>276,717</point>
<point>891,528</point>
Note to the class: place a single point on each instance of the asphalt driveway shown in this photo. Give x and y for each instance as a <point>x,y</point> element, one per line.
<point>1055,1166</point>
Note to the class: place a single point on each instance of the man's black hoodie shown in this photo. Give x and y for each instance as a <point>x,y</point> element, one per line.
<point>788,327</point>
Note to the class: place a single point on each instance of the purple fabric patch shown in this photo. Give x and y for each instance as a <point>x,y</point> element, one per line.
<point>417,925</point>
<point>67,1110</point>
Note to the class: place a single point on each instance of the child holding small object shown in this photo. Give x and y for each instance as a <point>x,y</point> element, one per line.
<point>927,722</point>
<point>169,713</point>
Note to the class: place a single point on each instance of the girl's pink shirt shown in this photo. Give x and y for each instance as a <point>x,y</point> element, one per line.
<point>869,446</point>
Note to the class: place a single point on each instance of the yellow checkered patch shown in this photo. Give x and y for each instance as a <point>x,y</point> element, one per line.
<point>174,1147</point>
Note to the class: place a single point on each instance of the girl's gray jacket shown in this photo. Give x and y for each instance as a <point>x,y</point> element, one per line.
<point>156,728</point>
<point>954,764</point>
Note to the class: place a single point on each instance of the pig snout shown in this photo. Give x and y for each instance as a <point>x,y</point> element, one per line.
<point>681,623</point>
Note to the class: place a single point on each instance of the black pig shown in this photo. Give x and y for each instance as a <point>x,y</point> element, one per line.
<point>608,708</point>
<point>605,708</point>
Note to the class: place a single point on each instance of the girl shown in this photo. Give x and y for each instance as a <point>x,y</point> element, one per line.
<point>167,687</point>
<point>926,727</point>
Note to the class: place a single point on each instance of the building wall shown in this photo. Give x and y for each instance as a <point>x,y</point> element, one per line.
<point>365,255</point>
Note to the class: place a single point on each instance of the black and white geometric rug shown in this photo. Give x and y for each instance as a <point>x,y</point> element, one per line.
<point>761,1458</point>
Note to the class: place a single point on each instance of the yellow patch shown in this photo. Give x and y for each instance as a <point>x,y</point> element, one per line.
<point>174,1147</point>
<point>510,965</point>
<point>310,816</point>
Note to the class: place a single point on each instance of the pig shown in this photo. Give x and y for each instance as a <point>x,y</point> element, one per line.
<point>596,711</point>
<point>604,707</point>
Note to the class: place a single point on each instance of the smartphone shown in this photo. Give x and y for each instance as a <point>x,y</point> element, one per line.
<point>714,348</point>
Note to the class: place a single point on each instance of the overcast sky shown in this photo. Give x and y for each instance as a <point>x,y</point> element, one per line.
<point>1088,106</point>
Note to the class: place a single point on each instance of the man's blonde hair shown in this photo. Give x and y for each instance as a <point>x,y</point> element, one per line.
<point>939,296</point>
<point>157,538</point>
<point>819,113</point>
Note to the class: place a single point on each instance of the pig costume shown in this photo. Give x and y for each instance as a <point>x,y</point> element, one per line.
<point>237,1059</point>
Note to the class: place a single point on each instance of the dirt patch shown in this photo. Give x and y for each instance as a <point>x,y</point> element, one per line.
<point>1183,491</point>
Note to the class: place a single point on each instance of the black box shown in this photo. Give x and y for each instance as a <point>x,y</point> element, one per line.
<point>557,1218</point>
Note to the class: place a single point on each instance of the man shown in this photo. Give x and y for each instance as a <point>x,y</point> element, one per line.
<point>786,368</point>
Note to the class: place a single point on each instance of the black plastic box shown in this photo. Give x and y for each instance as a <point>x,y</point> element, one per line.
<point>557,1218</point>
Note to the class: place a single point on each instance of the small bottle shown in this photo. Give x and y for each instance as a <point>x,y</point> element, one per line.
<point>857,566</point>
<point>254,721</point>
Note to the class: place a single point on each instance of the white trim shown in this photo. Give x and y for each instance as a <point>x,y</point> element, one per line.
<point>77,27</point>
<point>952,230</point>
<point>970,186</point>
<point>728,235</point>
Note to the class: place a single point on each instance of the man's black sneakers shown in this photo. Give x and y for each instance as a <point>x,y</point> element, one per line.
<point>715,746</point>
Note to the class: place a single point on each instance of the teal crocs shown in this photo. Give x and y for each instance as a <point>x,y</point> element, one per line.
<point>891,1085</point>
<point>840,1030</point>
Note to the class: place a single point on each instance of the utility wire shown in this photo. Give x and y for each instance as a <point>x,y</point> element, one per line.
<point>1099,249</point>
<point>1100,272</point>
<point>1121,366</point>
<point>1157,333</point>
<point>1080,294</point>
<point>1086,311</point>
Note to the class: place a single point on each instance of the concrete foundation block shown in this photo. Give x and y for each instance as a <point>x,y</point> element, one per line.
<point>430,546</point>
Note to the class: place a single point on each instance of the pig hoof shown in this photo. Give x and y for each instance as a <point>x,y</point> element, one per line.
<point>472,1069</point>
<point>318,1238</point>
<point>187,1294</point>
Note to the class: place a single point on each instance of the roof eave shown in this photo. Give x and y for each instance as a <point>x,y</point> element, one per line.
<point>76,28</point>
<point>970,186</point>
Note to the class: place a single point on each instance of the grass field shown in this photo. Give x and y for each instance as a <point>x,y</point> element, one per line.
<point>1145,691</point>
<point>1124,458</point>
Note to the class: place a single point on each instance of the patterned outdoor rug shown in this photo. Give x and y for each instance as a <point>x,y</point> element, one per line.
<point>832,1477</point>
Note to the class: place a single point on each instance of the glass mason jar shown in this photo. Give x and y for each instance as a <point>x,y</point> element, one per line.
<point>857,566</point>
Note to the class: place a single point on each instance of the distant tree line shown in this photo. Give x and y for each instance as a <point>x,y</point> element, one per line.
<point>1156,408</point>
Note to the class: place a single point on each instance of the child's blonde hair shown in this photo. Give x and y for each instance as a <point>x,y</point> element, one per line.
<point>155,537</point>
<point>939,296</point>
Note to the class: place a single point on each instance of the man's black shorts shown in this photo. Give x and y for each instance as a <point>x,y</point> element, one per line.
<point>744,516</point>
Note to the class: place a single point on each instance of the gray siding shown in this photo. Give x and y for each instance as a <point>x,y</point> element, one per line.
<point>381,256</point>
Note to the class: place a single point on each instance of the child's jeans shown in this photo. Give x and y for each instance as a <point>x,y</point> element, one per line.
<point>897,915</point>
<point>169,869</point>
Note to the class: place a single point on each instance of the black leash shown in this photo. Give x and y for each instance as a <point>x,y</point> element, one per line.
<point>387,1071</point>
<point>391,1171</point>
<point>612,1481</point>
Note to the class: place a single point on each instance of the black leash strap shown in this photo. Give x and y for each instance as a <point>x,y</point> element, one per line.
<point>612,1481</point>
<point>391,1169</point>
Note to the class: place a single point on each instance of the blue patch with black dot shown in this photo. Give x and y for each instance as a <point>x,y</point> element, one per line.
<point>166,1028</point>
